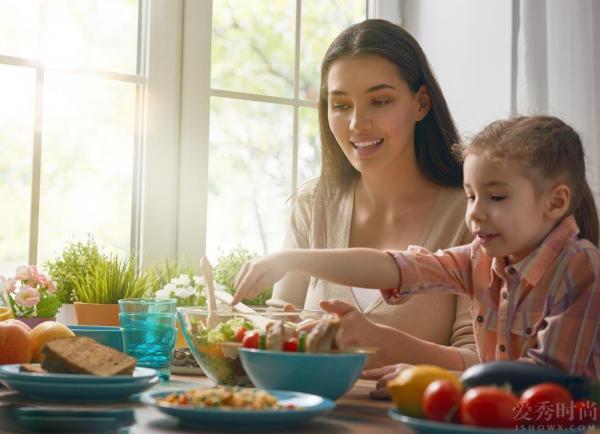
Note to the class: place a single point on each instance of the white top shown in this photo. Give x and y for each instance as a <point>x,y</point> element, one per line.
<point>365,297</point>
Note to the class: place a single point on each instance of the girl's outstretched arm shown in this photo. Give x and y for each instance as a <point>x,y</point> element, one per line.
<point>360,267</point>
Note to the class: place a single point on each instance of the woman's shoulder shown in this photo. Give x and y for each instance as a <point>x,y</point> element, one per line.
<point>313,192</point>
<point>447,221</point>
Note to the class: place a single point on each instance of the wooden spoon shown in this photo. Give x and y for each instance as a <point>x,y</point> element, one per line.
<point>207,273</point>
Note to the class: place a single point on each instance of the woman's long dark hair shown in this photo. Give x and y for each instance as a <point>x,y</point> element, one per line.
<point>434,134</point>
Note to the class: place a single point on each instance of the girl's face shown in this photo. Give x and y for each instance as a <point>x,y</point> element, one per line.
<point>504,211</point>
<point>372,112</point>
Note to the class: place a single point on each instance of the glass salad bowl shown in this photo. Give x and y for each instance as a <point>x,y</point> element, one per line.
<point>215,347</point>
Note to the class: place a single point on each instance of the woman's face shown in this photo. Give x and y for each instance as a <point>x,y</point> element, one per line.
<point>372,112</point>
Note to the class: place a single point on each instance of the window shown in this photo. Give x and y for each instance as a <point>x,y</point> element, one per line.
<point>159,125</point>
<point>264,86</point>
<point>72,82</point>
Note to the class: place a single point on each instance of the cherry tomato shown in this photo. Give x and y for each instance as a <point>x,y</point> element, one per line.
<point>239,336</point>
<point>488,406</point>
<point>251,339</point>
<point>546,404</point>
<point>441,400</point>
<point>291,345</point>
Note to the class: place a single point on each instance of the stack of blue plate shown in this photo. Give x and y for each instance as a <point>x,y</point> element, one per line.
<point>77,387</point>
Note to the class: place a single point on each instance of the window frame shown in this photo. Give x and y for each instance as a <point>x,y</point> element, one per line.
<point>175,213</point>
<point>40,69</point>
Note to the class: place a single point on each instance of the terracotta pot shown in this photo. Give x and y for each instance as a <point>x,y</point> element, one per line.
<point>97,314</point>
<point>33,321</point>
<point>181,343</point>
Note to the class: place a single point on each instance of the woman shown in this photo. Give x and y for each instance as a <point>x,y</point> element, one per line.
<point>388,180</point>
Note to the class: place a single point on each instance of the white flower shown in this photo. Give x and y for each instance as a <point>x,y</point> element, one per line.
<point>198,280</point>
<point>170,287</point>
<point>163,293</point>
<point>185,279</point>
<point>184,292</point>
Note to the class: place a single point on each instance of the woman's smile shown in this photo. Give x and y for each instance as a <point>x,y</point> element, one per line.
<point>364,148</point>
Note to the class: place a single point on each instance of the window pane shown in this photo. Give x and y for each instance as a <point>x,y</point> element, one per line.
<point>17,87</point>
<point>19,27</point>
<point>93,34</point>
<point>309,149</point>
<point>321,23</point>
<point>253,46</point>
<point>87,162</point>
<point>249,175</point>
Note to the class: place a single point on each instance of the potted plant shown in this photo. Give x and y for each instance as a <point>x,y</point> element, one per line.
<point>100,286</point>
<point>228,265</point>
<point>31,295</point>
<point>76,258</point>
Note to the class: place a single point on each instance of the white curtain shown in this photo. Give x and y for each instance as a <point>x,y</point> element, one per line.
<point>558,68</point>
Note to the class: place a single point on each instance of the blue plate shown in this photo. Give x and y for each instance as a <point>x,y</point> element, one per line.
<point>308,407</point>
<point>142,375</point>
<point>425,426</point>
<point>73,421</point>
<point>77,388</point>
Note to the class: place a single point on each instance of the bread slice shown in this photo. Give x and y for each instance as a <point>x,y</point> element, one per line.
<point>83,355</point>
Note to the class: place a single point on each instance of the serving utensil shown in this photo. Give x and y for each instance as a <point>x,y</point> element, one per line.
<point>207,273</point>
<point>259,320</point>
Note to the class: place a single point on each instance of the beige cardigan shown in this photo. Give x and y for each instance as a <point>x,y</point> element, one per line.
<point>319,222</point>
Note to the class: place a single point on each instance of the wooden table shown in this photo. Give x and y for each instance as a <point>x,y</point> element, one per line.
<point>355,412</point>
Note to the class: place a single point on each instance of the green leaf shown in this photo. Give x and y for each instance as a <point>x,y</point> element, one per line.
<point>48,306</point>
<point>227,268</point>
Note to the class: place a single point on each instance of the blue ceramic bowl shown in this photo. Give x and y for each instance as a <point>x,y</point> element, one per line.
<point>329,375</point>
<point>105,335</point>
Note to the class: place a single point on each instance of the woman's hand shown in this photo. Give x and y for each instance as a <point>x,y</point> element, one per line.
<point>258,274</point>
<point>383,376</point>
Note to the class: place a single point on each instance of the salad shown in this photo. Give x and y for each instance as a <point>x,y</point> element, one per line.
<point>215,348</point>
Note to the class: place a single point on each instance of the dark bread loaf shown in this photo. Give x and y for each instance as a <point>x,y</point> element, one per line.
<point>82,355</point>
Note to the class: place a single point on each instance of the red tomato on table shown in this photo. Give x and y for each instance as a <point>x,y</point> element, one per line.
<point>547,404</point>
<point>489,406</point>
<point>441,400</point>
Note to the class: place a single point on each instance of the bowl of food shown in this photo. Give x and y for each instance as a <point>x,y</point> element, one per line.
<point>304,360</point>
<point>215,347</point>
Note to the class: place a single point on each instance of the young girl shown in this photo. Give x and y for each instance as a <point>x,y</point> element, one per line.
<point>533,270</point>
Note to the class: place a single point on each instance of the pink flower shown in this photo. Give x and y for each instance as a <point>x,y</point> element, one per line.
<point>27,296</point>
<point>10,285</point>
<point>23,273</point>
<point>51,286</point>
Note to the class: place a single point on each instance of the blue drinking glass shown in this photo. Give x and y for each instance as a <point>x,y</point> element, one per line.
<point>149,332</point>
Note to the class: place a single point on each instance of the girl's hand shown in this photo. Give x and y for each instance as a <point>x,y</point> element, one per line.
<point>258,274</point>
<point>383,376</point>
<point>355,329</point>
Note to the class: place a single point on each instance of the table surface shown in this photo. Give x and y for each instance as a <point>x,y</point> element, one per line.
<point>355,412</point>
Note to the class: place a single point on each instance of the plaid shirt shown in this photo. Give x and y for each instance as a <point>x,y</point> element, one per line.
<point>544,309</point>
